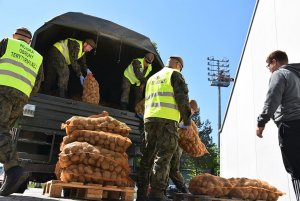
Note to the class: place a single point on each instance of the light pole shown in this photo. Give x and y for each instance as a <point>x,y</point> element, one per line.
<point>218,75</point>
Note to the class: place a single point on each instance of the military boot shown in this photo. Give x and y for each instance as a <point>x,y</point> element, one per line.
<point>142,194</point>
<point>14,178</point>
<point>184,189</point>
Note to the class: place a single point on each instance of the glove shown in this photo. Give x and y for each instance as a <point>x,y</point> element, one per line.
<point>81,79</point>
<point>181,125</point>
<point>88,71</point>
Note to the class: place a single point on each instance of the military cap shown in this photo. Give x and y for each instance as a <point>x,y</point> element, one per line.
<point>149,57</point>
<point>91,42</point>
<point>179,59</point>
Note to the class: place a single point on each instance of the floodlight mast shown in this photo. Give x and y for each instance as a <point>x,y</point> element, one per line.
<point>219,76</point>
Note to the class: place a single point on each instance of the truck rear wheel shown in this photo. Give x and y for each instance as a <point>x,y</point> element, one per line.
<point>23,187</point>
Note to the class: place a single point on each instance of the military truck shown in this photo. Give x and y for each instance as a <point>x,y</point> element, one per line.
<point>37,133</point>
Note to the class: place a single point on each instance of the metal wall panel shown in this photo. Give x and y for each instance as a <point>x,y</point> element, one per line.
<point>275,25</point>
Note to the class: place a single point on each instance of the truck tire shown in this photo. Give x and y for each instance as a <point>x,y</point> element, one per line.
<point>23,187</point>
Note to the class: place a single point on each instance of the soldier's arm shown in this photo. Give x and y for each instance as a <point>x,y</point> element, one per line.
<point>181,97</point>
<point>73,54</point>
<point>3,45</point>
<point>137,66</point>
<point>38,81</point>
<point>82,63</point>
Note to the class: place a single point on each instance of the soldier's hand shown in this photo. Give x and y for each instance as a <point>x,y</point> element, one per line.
<point>81,79</point>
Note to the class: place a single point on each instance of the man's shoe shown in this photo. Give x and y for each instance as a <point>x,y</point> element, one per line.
<point>14,178</point>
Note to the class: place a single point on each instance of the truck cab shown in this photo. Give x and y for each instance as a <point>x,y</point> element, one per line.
<point>38,132</point>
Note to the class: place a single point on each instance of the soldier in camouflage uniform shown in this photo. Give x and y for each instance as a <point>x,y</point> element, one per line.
<point>13,98</point>
<point>135,76</point>
<point>59,56</point>
<point>165,102</point>
<point>175,174</point>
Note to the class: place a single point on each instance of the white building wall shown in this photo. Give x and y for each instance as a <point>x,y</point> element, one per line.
<point>275,25</point>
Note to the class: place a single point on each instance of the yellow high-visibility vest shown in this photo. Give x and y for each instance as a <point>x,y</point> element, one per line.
<point>130,75</point>
<point>19,66</point>
<point>159,99</point>
<point>62,46</point>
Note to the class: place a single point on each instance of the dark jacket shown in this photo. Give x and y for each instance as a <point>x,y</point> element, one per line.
<point>283,98</point>
<point>39,77</point>
<point>182,99</point>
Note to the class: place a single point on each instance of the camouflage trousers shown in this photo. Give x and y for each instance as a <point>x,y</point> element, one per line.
<point>11,107</point>
<point>161,141</point>
<point>56,69</point>
<point>126,88</point>
<point>175,174</point>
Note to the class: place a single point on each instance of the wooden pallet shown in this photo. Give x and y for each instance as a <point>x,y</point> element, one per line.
<point>79,190</point>
<point>191,197</point>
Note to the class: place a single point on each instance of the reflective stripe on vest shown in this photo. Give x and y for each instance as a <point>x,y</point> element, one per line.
<point>159,99</point>
<point>19,66</point>
<point>62,46</point>
<point>130,75</point>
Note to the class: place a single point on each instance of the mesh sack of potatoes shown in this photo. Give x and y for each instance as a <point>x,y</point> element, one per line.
<point>253,189</point>
<point>121,158</point>
<point>140,107</point>
<point>192,146</point>
<point>105,140</point>
<point>207,184</point>
<point>96,123</point>
<point>89,174</point>
<point>57,170</point>
<point>84,153</point>
<point>91,91</point>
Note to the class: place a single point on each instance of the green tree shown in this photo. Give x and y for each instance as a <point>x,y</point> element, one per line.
<point>209,163</point>
<point>155,45</point>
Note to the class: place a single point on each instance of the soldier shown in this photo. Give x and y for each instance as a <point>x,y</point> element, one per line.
<point>175,174</point>
<point>21,73</point>
<point>63,53</point>
<point>135,75</point>
<point>165,102</point>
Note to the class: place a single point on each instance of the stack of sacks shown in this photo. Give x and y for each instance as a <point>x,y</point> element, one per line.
<point>241,188</point>
<point>192,146</point>
<point>91,154</point>
<point>91,91</point>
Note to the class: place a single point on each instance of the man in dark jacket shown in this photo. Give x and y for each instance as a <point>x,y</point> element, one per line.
<point>63,53</point>
<point>166,101</point>
<point>21,73</point>
<point>283,105</point>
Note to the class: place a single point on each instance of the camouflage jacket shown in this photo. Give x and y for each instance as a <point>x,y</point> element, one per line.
<point>39,77</point>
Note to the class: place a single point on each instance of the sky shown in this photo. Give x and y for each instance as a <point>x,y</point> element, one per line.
<point>193,29</point>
